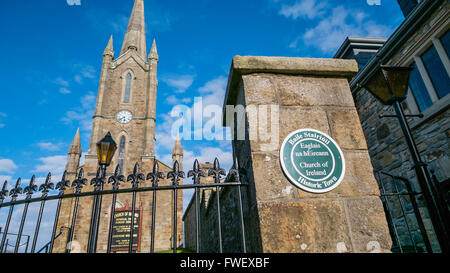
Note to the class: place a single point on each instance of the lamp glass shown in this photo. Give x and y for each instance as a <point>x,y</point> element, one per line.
<point>398,78</point>
<point>377,85</point>
<point>106,149</point>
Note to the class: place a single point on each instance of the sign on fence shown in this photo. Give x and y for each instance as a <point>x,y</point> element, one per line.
<point>121,229</point>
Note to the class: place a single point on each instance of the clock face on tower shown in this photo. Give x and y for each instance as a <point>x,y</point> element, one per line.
<point>124,117</point>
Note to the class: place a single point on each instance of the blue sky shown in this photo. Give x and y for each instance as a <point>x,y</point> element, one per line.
<point>52,54</point>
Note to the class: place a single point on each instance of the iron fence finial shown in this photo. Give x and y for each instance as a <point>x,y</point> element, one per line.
<point>79,182</point>
<point>47,186</point>
<point>63,184</point>
<point>98,181</point>
<point>155,175</point>
<point>30,188</point>
<point>175,174</point>
<point>216,171</point>
<point>4,191</point>
<point>16,190</point>
<point>136,176</point>
<point>196,172</point>
<point>116,178</point>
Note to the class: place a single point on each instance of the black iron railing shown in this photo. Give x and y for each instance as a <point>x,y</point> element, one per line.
<point>394,199</point>
<point>232,180</point>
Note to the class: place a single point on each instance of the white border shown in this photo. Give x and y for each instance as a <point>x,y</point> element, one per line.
<point>294,181</point>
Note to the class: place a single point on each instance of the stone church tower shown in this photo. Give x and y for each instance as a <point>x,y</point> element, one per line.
<point>126,107</point>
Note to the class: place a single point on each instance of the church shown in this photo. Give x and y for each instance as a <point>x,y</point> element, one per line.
<point>125,107</point>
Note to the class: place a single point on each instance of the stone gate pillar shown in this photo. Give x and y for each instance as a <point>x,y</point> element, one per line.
<point>280,216</point>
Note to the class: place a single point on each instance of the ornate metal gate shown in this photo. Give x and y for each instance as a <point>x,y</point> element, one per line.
<point>221,180</point>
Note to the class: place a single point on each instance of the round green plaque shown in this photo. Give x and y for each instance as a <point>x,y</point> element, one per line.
<point>312,161</point>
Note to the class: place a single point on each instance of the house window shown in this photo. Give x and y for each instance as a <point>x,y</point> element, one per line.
<point>419,90</point>
<point>121,153</point>
<point>126,97</point>
<point>437,72</point>
<point>445,40</point>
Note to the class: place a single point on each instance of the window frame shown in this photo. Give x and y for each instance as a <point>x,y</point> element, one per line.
<point>124,86</point>
<point>432,38</point>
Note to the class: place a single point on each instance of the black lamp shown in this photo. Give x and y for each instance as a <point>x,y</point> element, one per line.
<point>105,150</point>
<point>389,83</point>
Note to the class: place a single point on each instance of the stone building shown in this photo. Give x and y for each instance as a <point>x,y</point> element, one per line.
<point>278,217</point>
<point>125,107</point>
<point>422,42</point>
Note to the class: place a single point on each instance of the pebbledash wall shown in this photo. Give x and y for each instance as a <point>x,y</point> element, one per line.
<point>422,29</point>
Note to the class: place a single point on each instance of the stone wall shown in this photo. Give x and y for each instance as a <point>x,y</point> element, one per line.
<point>310,93</point>
<point>230,222</point>
<point>387,147</point>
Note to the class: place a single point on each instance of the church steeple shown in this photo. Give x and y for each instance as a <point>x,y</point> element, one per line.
<point>177,152</point>
<point>73,156</point>
<point>109,50</point>
<point>75,148</point>
<point>135,36</point>
<point>153,52</point>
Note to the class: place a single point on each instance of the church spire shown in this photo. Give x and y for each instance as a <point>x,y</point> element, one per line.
<point>73,157</point>
<point>177,152</point>
<point>177,149</point>
<point>135,35</point>
<point>75,148</point>
<point>109,50</point>
<point>153,52</point>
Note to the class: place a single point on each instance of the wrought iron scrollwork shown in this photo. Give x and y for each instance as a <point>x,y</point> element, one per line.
<point>175,174</point>
<point>196,173</point>
<point>99,180</point>
<point>47,186</point>
<point>216,171</point>
<point>156,175</point>
<point>135,176</point>
<point>63,184</point>
<point>79,182</point>
<point>4,192</point>
<point>116,178</point>
<point>31,188</point>
<point>16,190</point>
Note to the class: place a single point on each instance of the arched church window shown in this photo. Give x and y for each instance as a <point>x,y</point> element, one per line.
<point>126,97</point>
<point>121,153</point>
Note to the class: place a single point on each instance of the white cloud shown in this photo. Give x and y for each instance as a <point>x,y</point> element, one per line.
<point>214,91</point>
<point>88,71</point>
<point>172,100</point>
<point>49,146</point>
<point>180,82</point>
<point>63,85</point>
<point>61,82</point>
<point>7,166</point>
<point>78,79</point>
<point>4,178</point>
<point>82,115</point>
<point>217,85</point>
<point>165,140</point>
<point>303,9</point>
<point>54,164</point>
<point>64,90</point>
<point>2,115</point>
<point>330,32</point>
